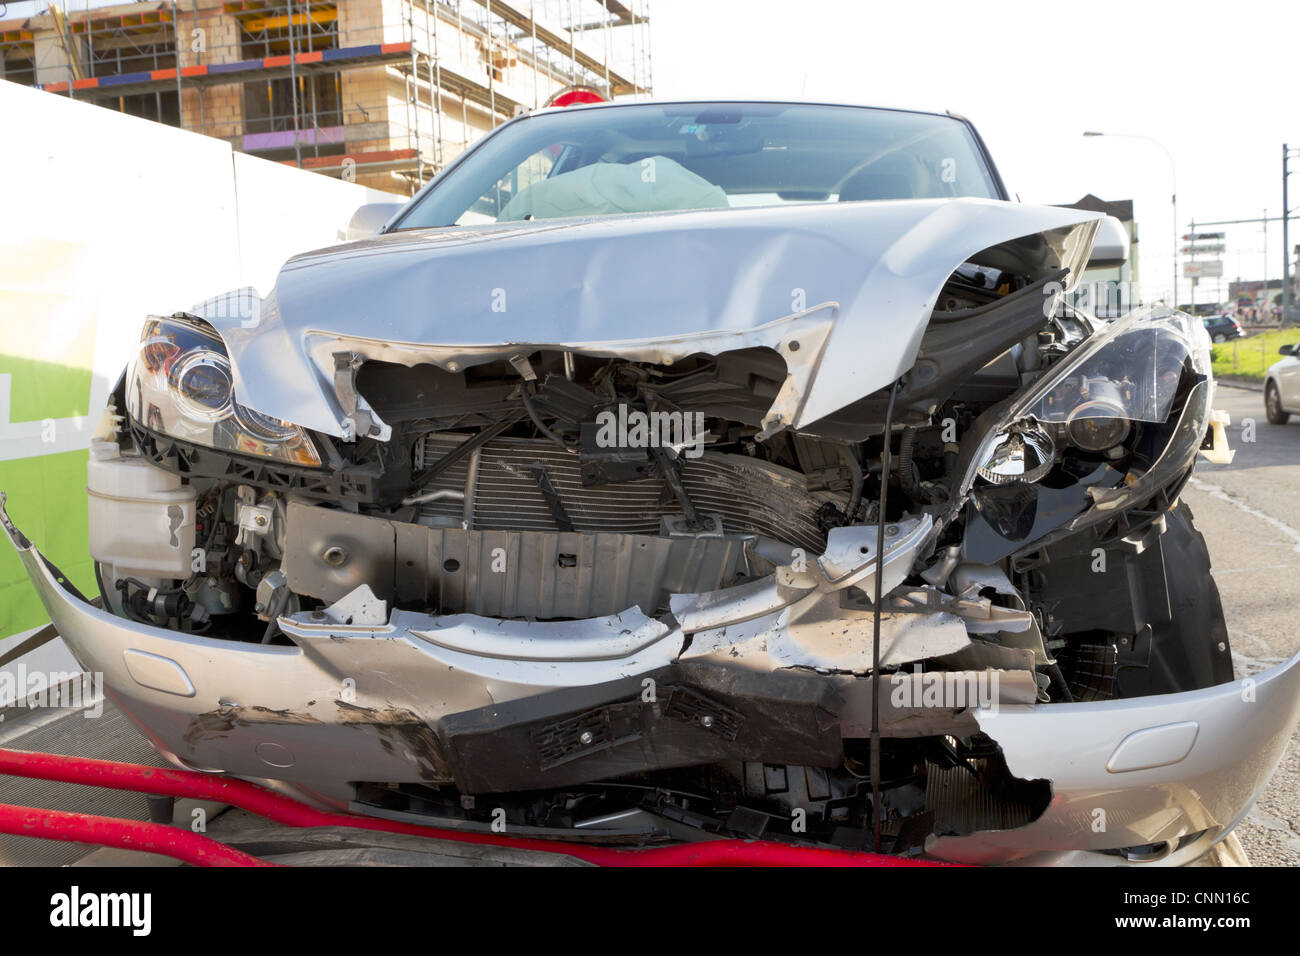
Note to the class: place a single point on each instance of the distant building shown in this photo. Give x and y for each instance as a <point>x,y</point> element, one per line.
<point>383,92</point>
<point>1256,301</point>
<point>1111,288</point>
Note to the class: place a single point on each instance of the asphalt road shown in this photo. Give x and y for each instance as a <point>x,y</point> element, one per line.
<point>1249,512</point>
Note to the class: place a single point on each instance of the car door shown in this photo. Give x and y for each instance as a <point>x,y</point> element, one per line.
<point>1288,382</point>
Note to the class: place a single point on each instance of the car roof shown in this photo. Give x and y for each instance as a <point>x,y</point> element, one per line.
<point>739,100</point>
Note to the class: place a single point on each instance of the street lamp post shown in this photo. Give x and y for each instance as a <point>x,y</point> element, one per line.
<point>1173,198</point>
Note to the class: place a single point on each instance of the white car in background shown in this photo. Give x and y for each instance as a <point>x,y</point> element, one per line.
<point>1282,387</point>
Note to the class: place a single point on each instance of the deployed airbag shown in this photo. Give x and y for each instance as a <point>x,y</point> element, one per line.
<point>655,184</point>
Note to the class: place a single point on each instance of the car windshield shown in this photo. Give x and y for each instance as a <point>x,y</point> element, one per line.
<point>663,157</point>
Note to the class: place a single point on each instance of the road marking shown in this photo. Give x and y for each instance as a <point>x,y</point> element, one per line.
<point>1214,491</point>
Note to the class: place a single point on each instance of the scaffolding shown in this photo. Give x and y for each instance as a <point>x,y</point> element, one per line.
<point>383,92</point>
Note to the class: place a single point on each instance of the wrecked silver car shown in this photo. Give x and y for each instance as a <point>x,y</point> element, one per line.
<point>667,471</point>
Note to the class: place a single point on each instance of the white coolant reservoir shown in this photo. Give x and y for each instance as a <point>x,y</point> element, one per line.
<point>141,517</point>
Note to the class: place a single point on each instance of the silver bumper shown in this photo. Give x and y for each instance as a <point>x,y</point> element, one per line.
<point>1125,773</point>
<point>1149,770</point>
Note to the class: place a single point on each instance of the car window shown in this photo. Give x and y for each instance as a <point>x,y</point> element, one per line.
<point>662,157</point>
<point>534,168</point>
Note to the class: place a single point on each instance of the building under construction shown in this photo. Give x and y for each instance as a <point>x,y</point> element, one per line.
<point>384,92</point>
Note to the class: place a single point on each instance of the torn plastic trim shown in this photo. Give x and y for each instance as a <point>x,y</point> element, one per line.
<point>850,555</point>
<point>359,420</point>
<point>530,654</point>
<point>1016,626</point>
<point>1244,728</point>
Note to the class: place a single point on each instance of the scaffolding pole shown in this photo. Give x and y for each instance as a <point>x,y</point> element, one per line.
<point>133,59</point>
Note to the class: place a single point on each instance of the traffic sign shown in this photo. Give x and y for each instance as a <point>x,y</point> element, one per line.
<point>1210,269</point>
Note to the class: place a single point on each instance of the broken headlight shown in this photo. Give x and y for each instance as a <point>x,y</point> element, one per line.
<point>1023,452</point>
<point>180,384</point>
<point>1127,410</point>
<point>1127,372</point>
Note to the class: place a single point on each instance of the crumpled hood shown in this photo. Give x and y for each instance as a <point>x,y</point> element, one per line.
<point>843,291</point>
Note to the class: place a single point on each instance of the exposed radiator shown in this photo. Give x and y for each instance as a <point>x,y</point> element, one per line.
<point>966,802</point>
<point>752,496</point>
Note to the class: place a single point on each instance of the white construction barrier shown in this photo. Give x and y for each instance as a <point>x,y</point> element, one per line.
<point>107,218</point>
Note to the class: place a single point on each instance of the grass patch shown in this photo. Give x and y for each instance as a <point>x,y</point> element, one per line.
<point>1251,357</point>
<point>47,500</point>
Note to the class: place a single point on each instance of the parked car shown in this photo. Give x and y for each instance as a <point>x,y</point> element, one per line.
<point>1223,327</point>
<point>1282,386</point>
<point>676,470</point>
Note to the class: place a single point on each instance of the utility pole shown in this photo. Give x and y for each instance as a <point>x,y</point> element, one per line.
<point>1264,310</point>
<point>176,39</point>
<point>1264,221</point>
<point>293,86</point>
<point>1286,241</point>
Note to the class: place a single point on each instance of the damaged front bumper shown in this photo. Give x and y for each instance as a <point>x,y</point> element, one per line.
<point>429,699</point>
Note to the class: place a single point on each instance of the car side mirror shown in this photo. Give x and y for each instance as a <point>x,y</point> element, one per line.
<point>1286,350</point>
<point>368,219</point>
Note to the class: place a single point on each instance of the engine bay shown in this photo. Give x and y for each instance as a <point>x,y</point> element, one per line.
<point>562,494</point>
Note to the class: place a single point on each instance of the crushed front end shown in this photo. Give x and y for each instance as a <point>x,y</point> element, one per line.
<point>625,588</point>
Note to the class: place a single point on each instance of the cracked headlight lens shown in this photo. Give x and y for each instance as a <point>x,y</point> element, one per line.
<point>1129,371</point>
<point>180,384</point>
<point>1133,401</point>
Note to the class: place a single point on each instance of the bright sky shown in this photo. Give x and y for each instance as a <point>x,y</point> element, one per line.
<point>1215,82</point>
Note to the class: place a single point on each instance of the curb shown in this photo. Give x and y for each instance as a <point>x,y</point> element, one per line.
<point>1240,381</point>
